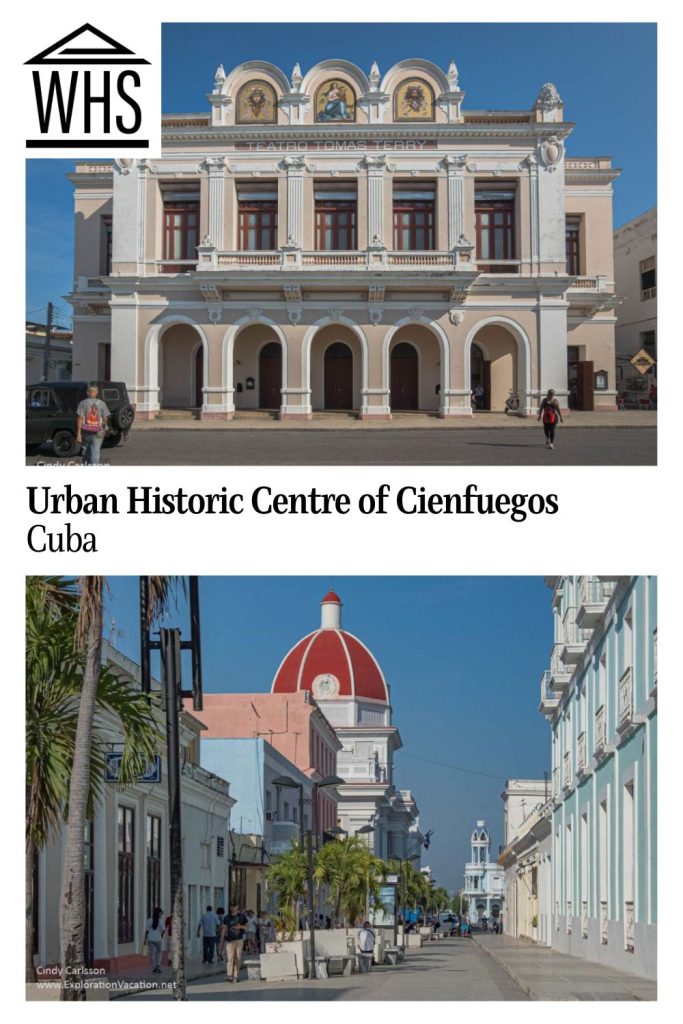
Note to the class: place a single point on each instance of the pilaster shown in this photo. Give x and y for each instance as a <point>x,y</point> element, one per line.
<point>295,166</point>
<point>455,171</point>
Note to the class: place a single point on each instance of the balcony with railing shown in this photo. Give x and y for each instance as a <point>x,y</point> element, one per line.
<point>603,922</point>
<point>376,259</point>
<point>625,700</point>
<point>593,597</point>
<point>556,783</point>
<point>549,698</point>
<point>600,730</point>
<point>560,674</point>
<point>567,778</point>
<point>629,926</point>
<point>574,638</point>
<point>584,919</point>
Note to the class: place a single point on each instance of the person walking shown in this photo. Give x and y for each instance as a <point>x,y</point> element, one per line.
<point>235,924</point>
<point>366,945</point>
<point>250,932</point>
<point>549,412</point>
<point>208,928</point>
<point>220,937</point>
<point>92,416</point>
<point>154,937</point>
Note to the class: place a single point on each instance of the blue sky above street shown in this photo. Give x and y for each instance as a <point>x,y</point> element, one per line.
<point>606,74</point>
<point>463,657</point>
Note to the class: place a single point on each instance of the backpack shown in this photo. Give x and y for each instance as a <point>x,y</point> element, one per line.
<point>549,415</point>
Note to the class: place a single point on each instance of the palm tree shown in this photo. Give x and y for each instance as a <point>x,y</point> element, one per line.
<point>88,641</point>
<point>348,868</point>
<point>287,877</point>
<point>54,677</point>
<point>440,899</point>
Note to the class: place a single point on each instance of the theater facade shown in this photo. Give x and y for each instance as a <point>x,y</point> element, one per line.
<point>338,240</point>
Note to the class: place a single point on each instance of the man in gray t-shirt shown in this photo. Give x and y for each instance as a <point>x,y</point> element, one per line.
<point>91,420</point>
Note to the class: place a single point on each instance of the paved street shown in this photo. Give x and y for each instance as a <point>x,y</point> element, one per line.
<point>484,446</point>
<point>452,969</point>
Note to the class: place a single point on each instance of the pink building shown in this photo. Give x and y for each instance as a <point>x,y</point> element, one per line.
<point>292,723</point>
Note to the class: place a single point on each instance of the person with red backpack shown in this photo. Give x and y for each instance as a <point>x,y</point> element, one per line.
<point>549,413</point>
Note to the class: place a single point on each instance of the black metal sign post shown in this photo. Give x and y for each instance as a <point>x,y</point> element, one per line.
<point>170,645</point>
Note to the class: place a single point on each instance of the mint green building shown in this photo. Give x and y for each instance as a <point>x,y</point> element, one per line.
<point>600,696</point>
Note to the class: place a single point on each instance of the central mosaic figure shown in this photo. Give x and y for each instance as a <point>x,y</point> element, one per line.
<point>336,102</point>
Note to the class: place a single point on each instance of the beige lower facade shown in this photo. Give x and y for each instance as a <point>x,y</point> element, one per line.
<point>182,349</point>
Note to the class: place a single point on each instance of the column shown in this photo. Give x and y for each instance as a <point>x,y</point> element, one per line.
<point>375,166</point>
<point>552,351</point>
<point>455,170</point>
<point>295,166</point>
<point>215,166</point>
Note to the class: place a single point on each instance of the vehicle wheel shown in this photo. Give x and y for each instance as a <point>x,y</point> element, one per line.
<point>64,444</point>
<point>123,418</point>
<point>111,440</point>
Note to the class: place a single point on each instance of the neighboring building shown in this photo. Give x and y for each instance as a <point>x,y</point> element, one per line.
<point>600,697</point>
<point>337,240</point>
<point>59,361</point>
<point>127,854</point>
<point>266,818</point>
<point>293,724</point>
<point>484,879</point>
<point>526,859</point>
<point>348,686</point>
<point>635,281</point>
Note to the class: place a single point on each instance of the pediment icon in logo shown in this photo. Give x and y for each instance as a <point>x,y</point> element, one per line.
<point>87,45</point>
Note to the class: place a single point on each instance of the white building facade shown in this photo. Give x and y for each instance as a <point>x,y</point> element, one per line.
<point>343,240</point>
<point>600,697</point>
<point>484,879</point>
<point>526,859</point>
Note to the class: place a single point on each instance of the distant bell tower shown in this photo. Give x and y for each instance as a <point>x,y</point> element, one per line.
<point>481,844</point>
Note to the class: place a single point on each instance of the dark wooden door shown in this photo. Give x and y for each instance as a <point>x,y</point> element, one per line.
<point>338,377</point>
<point>270,376</point>
<point>584,385</point>
<point>404,377</point>
<point>486,383</point>
<point>199,377</point>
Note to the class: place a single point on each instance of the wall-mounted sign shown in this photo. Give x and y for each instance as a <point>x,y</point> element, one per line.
<point>339,146</point>
<point>643,361</point>
<point>112,768</point>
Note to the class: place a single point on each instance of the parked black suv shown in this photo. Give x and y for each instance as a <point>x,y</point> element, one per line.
<point>51,413</point>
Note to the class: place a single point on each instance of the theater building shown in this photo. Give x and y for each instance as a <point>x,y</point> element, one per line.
<point>346,241</point>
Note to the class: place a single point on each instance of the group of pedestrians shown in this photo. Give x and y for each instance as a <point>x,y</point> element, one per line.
<point>224,937</point>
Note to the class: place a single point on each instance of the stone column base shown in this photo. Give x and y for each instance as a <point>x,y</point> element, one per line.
<point>369,415</point>
<point>146,414</point>
<point>210,414</point>
<point>295,416</point>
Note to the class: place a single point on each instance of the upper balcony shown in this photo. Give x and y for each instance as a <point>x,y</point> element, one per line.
<point>560,673</point>
<point>574,638</point>
<point>594,595</point>
<point>549,698</point>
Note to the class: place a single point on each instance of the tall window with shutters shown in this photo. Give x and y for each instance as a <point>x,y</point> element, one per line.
<point>257,217</point>
<point>335,217</point>
<point>181,230</point>
<point>414,217</point>
<point>494,211</point>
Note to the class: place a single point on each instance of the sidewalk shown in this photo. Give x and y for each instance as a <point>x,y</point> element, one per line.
<point>545,974</point>
<point>135,980</point>
<point>402,421</point>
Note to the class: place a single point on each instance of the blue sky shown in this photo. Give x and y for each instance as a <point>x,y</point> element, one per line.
<point>606,74</point>
<point>463,657</point>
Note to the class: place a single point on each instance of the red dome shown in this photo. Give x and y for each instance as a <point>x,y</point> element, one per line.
<point>331,652</point>
<point>331,598</point>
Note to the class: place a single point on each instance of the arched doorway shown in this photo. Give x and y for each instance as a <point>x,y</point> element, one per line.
<point>404,379</point>
<point>480,378</point>
<point>270,375</point>
<point>181,367</point>
<point>338,386</point>
<point>497,366</point>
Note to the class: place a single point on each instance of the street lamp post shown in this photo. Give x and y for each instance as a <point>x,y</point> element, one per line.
<point>285,781</point>
<point>170,644</point>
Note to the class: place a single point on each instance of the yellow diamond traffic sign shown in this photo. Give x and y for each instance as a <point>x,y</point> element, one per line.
<point>642,361</point>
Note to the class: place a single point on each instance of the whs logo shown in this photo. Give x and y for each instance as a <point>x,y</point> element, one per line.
<point>90,92</point>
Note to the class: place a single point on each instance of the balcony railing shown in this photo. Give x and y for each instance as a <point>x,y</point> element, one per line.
<point>600,729</point>
<point>625,699</point>
<point>593,597</point>
<point>574,638</point>
<point>648,293</point>
<point>584,919</point>
<point>556,782</point>
<point>629,926</point>
<point>559,672</point>
<point>549,698</point>
<point>581,764</point>
<point>603,922</point>
<point>592,283</point>
<point>567,771</point>
<point>499,267</point>
<point>352,260</point>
